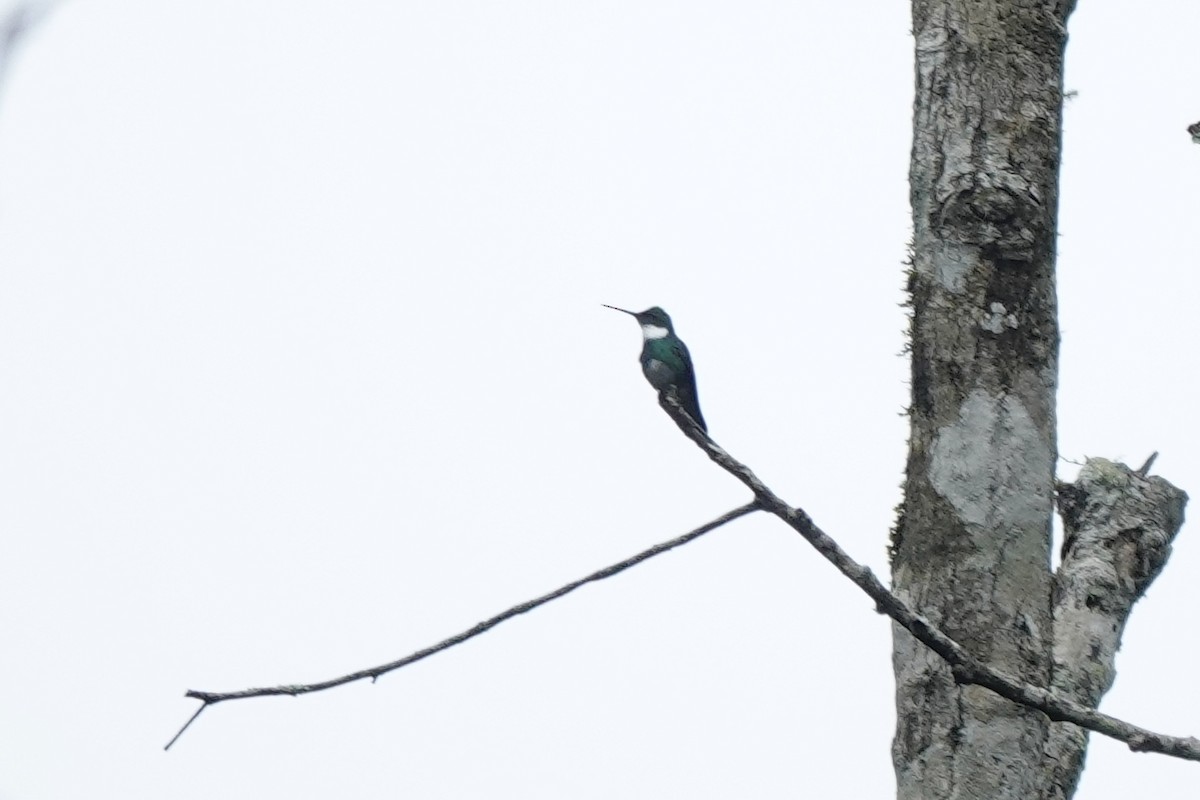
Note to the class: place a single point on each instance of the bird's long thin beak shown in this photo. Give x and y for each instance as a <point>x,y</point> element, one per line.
<point>614,308</point>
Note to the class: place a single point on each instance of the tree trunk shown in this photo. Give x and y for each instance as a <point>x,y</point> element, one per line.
<point>971,549</point>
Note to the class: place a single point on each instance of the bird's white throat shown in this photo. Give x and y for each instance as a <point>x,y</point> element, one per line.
<point>653,332</point>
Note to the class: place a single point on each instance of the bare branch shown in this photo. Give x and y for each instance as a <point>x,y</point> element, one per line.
<point>965,667</point>
<point>186,725</point>
<point>212,698</point>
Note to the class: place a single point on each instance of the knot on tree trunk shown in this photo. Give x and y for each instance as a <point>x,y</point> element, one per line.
<point>998,211</point>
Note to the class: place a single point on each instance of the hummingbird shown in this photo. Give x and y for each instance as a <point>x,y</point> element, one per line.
<point>666,362</point>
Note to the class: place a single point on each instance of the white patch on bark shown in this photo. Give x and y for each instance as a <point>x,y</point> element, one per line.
<point>998,318</point>
<point>991,463</point>
<point>953,265</point>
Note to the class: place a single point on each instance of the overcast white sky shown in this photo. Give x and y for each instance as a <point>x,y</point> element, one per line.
<point>304,367</point>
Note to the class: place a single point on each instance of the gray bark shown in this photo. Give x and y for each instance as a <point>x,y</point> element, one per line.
<point>1118,526</point>
<point>971,548</point>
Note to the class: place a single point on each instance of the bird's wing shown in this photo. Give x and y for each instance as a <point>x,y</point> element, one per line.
<point>681,350</point>
<point>686,389</point>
